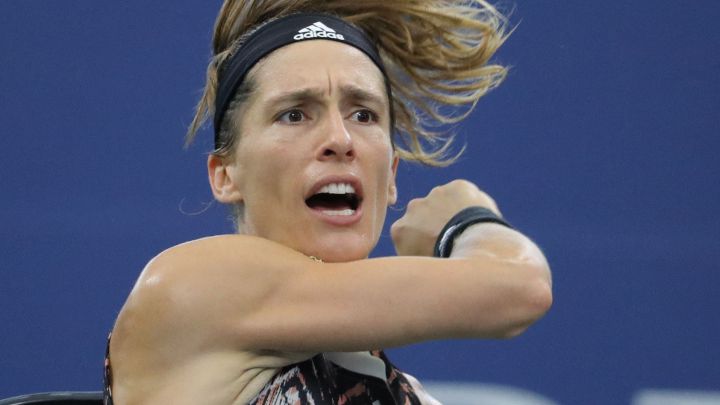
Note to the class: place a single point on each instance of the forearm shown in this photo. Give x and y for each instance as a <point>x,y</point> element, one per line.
<point>490,240</point>
<point>528,278</point>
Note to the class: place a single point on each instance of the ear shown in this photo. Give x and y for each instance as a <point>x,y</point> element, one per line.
<point>224,178</point>
<point>392,188</point>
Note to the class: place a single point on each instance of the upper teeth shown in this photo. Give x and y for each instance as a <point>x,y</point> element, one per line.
<point>337,188</point>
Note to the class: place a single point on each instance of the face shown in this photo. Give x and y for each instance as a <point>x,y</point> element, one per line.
<point>314,166</point>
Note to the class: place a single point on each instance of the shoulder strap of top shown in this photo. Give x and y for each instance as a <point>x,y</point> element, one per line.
<point>107,377</point>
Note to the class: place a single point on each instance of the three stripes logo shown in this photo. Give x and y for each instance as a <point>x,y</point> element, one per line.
<point>317,30</point>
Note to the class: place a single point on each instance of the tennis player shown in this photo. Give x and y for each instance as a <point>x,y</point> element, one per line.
<point>314,103</point>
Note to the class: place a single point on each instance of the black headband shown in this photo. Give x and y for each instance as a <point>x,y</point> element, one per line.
<point>276,34</point>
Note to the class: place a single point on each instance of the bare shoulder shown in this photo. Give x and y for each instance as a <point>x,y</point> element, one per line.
<point>238,293</point>
<point>185,290</point>
<point>177,320</point>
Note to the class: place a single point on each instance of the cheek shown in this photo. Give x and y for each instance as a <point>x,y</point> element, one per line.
<point>270,173</point>
<point>385,179</point>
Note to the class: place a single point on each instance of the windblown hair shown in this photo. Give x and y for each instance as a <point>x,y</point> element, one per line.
<point>436,53</point>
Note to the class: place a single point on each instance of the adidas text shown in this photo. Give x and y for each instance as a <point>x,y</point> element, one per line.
<point>318,34</point>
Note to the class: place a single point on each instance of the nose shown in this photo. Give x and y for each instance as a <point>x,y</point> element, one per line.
<point>337,141</point>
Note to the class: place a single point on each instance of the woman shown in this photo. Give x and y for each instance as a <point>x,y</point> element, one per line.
<point>307,97</point>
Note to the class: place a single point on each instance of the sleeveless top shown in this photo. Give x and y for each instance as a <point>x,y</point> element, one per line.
<point>322,380</point>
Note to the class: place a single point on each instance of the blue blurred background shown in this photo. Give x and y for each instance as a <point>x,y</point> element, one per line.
<point>601,145</point>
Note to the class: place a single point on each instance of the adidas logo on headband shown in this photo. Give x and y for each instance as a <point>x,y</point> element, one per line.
<point>317,30</point>
<point>276,34</point>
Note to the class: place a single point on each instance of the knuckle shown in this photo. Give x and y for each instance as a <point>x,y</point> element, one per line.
<point>394,229</point>
<point>483,195</point>
<point>468,185</point>
<point>461,183</point>
<point>398,225</point>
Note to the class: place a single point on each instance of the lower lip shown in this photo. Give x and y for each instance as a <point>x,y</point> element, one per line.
<point>339,220</point>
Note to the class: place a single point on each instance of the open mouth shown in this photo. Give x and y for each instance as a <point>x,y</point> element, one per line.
<point>335,199</point>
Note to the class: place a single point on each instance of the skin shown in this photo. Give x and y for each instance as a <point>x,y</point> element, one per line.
<point>211,320</point>
<point>301,127</point>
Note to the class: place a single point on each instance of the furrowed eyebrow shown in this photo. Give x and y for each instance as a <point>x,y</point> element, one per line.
<point>295,96</point>
<point>349,92</point>
<point>360,94</point>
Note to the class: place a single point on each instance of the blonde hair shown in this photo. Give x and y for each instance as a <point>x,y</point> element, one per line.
<point>436,53</point>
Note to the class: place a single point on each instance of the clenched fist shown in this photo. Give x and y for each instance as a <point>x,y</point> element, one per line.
<point>415,233</point>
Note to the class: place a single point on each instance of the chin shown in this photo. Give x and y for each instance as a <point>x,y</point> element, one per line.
<point>342,249</point>
<point>342,257</point>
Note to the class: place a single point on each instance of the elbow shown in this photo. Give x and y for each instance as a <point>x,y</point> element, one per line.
<point>540,299</point>
<point>533,303</point>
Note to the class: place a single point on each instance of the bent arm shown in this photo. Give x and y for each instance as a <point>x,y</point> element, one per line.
<point>250,293</point>
<point>489,242</point>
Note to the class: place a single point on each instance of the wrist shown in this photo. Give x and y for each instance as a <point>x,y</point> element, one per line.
<point>459,223</point>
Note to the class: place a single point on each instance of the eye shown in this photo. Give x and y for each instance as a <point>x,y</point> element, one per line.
<point>292,116</point>
<point>364,116</point>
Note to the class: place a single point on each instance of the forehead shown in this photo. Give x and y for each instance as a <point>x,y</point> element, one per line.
<point>317,64</point>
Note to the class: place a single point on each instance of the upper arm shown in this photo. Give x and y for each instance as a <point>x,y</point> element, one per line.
<point>251,293</point>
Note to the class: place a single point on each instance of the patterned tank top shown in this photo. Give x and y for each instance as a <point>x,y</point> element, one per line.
<point>327,378</point>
